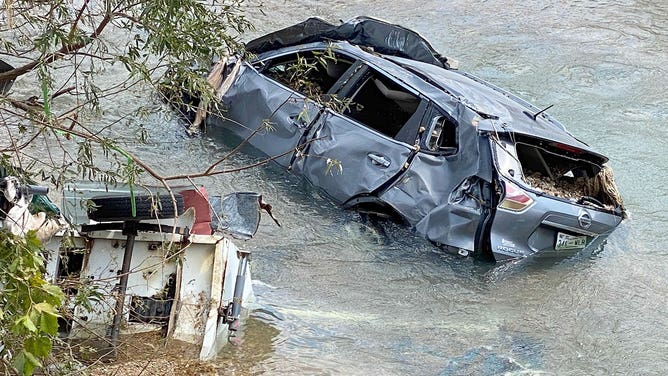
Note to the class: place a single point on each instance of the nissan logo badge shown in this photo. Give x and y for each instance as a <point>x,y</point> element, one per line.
<point>584,220</point>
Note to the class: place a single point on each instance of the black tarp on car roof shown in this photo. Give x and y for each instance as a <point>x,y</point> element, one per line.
<point>383,37</point>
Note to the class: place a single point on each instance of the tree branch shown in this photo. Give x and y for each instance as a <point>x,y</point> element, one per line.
<point>62,52</point>
<point>76,20</point>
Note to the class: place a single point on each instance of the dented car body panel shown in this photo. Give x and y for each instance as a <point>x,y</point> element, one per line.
<point>402,133</point>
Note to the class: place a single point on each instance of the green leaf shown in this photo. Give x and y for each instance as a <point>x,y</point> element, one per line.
<point>25,363</point>
<point>34,315</point>
<point>27,323</point>
<point>46,98</point>
<point>333,164</point>
<point>14,265</point>
<point>40,346</point>
<point>55,295</point>
<point>31,363</point>
<point>20,364</point>
<point>49,323</point>
<point>45,307</point>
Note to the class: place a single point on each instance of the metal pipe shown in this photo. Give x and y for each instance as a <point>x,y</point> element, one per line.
<point>122,285</point>
<point>238,293</point>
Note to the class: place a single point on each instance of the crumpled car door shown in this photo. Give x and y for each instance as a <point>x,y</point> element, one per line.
<point>360,148</point>
<point>444,191</point>
<point>274,116</point>
<point>347,159</point>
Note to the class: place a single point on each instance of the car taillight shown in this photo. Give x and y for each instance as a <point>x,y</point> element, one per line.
<point>565,147</point>
<point>515,198</point>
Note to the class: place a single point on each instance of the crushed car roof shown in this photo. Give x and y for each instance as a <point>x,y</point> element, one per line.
<point>505,112</point>
<point>508,112</point>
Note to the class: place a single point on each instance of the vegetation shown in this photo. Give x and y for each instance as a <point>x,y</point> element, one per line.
<point>64,64</point>
<point>68,61</point>
<point>76,58</point>
<point>28,304</point>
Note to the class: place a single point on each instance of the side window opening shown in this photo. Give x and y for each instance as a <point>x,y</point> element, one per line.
<point>382,105</point>
<point>443,136</point>
<point>312,73</point>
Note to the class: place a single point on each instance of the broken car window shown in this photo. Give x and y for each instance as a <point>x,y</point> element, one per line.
<point>312,73</point>
<point>443,136</point>
<point>557,170</point>
<point>381,104</point>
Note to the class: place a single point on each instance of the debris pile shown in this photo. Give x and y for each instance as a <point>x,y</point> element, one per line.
<point>601,187</point>
<point>301,79</point>
<point>564,187</point>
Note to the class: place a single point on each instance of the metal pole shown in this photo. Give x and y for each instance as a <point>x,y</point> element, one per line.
<point>238,292</point>
<point>129,230</point>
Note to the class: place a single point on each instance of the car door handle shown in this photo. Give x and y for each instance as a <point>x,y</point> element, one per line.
<point>379,160</point>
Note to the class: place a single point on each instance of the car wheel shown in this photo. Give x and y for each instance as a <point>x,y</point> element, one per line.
<point>119,208</point>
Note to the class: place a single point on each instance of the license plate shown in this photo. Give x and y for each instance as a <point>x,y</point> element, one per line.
<point>565,241</point>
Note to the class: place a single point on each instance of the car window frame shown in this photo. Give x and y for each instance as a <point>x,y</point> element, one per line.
<point>358,79</point>
<point>262,65</point>
<point>431,116</point>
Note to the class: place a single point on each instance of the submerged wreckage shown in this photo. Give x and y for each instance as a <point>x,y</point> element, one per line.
<point>370,113</point>
<point>155,263</point>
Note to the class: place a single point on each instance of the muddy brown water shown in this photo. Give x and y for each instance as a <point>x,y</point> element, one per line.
<point>340,295</point>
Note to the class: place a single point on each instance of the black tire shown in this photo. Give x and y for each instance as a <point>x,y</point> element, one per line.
<point>119,208</point>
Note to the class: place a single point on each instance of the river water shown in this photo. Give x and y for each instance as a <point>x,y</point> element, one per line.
<point>336,295</point>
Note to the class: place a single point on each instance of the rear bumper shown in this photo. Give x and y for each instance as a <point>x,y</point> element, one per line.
<point>535,230</point>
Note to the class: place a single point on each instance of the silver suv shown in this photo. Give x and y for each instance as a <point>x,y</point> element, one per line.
<point>371,114</point>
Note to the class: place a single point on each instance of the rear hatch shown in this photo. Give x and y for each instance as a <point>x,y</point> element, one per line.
<point>554,199</point>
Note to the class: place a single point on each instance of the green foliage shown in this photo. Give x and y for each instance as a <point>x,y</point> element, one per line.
<point>64,121</point>
<point>74,58</point>
<point>28,303</point>
<point>73,46</point>
<point>305,76</point>
<point>188,30</point>
<point>333,165</point>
